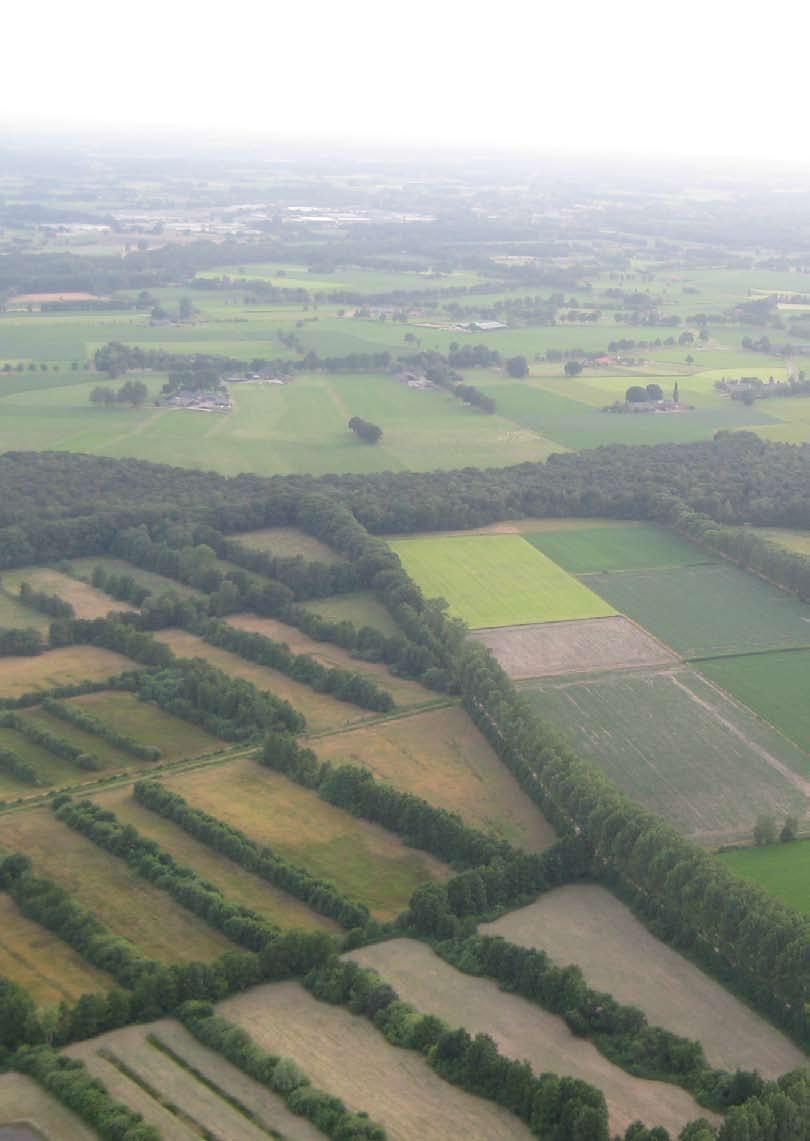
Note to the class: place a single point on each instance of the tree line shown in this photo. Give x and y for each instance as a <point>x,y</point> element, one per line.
<point>79,717</point>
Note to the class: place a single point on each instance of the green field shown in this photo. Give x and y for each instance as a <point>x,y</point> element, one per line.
<point>496,580</point>
<point>797,541</point>
<point>781,869</point>
<point>359,607</point>
<point>636,546</point>
<point>678,746</point>
<point>702,611</point>
<point>776,686</point>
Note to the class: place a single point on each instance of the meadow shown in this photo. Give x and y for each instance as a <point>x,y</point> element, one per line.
<point>149,580</point>
<point>288,542</point>
<point>149,725</point>
<point>64,666</point>
<point>776,686</point>
<point>87,602</point>
<point>635,546</point>
<point>21,1099</point>
<point>782,870</point>
<point>497,580</point>
<point>359,607</point>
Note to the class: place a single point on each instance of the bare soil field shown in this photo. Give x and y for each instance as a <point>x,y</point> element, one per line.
<point>128,904</point>
<point>23,1102</point>
<point>584,646</point>
<point>363,859</point>
<point>404,692</point>
<point>286,542</point>
<point>587,925</point>
<point>521,1030</point>
<point>322,712</point>
<point>43,965</point>
<point>441,756</point>
<point>59,667</point>
<point>85,599</point>
<point>345,1055</point>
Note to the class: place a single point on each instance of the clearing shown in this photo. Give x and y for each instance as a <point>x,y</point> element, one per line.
<point>776,686</point>
<point>586,925</point>
<point>287,542</point>
<point>157,583</point>
<point>781,869</point>
<point>496,580</point>
<point>22,1101</point>
<point>591,644</point>
<point>359,607</point>
<point>633,546</point>
<point>441,756</point>
<point>345,1055</point>
<point>362,859</point>
<point>85,599</point>
<point>64,666</point>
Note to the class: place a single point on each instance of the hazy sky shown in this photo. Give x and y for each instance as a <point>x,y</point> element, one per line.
<point>711,78</point>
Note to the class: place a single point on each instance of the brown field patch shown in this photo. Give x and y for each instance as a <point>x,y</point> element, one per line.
<point>239,885</point>
<point>126,903</point>
<point>23,1101</point>
<point>85,600</point>
<point>345,1055</point>
<point>441,756</point>
<point>362,859</point>
<point>46,967</point>
<point>584,646</point>
<point>63,666</point>
<point>404,692</point>
<point>287,542</point>
<point>587,925</point>
<point>522,1030</point>
<point>321,711</point>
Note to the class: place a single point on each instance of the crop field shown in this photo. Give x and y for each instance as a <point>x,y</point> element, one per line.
<point>287,542</point>
<point>635,546</point>
<point>591,644</point>
<point>496,580</point>
<point>523,1030</point>
<point>359,607</point>
<point>365,861</point>
<point>23,1101</point>
<point>587,925</point>
<point>345,1055</point>
<point>157,583</point>
<point>776,686</point>
<point>63,666</point>
<point>680,747</point>
<point>704,611</point>
<point>47,968</point>
<point>128,904</point>
<point>239,885</point>
<point>85,600</point>
<point>321,710</point>
<point>441,756</point>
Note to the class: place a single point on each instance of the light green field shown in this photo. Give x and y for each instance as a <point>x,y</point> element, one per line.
<point>781,869</point>
<point>631,547</point>
<point>496,580</point>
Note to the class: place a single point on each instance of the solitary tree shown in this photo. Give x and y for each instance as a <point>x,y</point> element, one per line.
<point>655,392</point>
<point>517,367</point>
<point>676,394</point>
<point>365,430</point>
<point>572,368</point>
<point>635,394</point>
<point>765,830</point>
<point>789,830</point>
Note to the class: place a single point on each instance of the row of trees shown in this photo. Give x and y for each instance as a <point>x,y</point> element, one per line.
<point>60,747</point>
<point>76,715</point>
<point>21,642</point>
<point>50,604</point>
<point>13,765</point>
<point>122,587</point>
<point>132,392</point>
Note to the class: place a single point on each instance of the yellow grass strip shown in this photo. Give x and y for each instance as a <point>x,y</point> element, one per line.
<point>85,600</point>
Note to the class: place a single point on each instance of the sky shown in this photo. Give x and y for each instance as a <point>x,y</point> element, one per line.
<point>707,79</point>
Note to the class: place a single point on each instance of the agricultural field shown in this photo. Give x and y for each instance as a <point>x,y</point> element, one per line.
<point>441,756</point>
<point>586,925</point>
<point>680,747</point>
<point>363,860</point>
<point>24,1102</point>
<point>85,599</point>
<point>359,607</point>
<point>287,542</point>
<point>496,580</point>
<point>634,546</point>
<point>782,870</point>
<point>591,644</point>
<point>707,611</point>
<point>345,1055</point>
<point>776,686</point>
<point>63,666</point>
<point>523,1030</point>
<point>126,903</point>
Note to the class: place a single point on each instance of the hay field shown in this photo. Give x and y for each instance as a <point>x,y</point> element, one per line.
<point>588,645</point>
<point>85,599</point>
<point>46,967</point>
<point>680,747</point>
<point>634,546</point>
<point>239,885</point>
<point>149,724</point>
<point>776,686</point>
<point>23,1101</point>
<point>496,580</point>
<point>523,1030</point>
<point>287,542</point>
<point>128,904</point>
<point>322,711</point>
<point>441,756</point>
<point>62,666</point>
<point>781,869</point>
<point>404,692</point>
<point>586,925</point>
<point>362,859</point>
<point>359,607</point>
<point>345,1055</point>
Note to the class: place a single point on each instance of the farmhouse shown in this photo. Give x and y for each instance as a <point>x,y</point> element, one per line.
<point>413,379</point>
<point>485,326</point>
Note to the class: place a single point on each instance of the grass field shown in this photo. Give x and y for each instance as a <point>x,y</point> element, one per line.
<point>359,607</point>
<point>797,541</point>
<point>781,869</point>
<point>65,666</point>
<point>776,686</point>
<point>110,756</point>
<point>708,610</point>
<point>22,1100</point>
<point>680,747</point>
<point>149,725</point>
<point>636,546</point>
<point>287,542</point>
<point>52,770</point>
<point>496,580</point>
<point>157,583</point>
<point>586,925</point>
<point>239,885</point>
<point>13,615</point>
<point>345,1055</point>
<point>128,904</point>
<point>321,711</point>
<point>441,756</point>
<point>85,600</point>
<point>364,860</point>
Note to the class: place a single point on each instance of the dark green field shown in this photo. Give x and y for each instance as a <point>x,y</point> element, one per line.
<point>637,546</point>
<point>776,686</point>
<point>781,869</point>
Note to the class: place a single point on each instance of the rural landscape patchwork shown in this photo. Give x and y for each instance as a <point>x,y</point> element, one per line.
<point>404,650</point>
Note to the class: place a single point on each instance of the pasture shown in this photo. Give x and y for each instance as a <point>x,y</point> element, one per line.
<point>589,645</point>
<point>680,747</point>
<point>22,1100</point>
<point>345,1055</point>
<point>496,580</point>
<point>523,1030</point>
<point>587,925</point>
<point>362,859</point>
<point>776,686</point>
<point>703,611</point>
<point>288,542</point>
<point>782,870</point>
<point>634,546</point>
<point>64,666</point>
<point>359,607</point>
<point>441,756</point>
